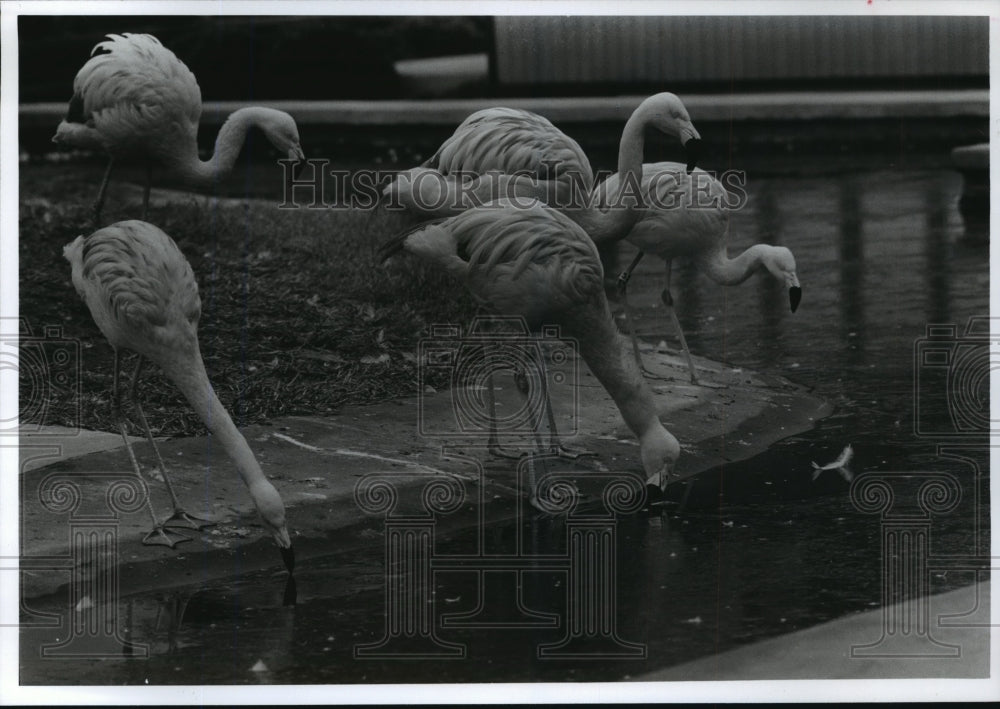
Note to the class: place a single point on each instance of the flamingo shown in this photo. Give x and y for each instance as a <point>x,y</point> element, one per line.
<point>509,152</point>
<point>524,259</point>
<point>134,97</point>
<point>143,296</point>
<point>686,215</point>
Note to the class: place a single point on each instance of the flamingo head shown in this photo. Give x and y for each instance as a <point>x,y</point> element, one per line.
<point>272,514</point>
<point>281,131</point>
<point>780,262</point>
<point>659,451</point>
<point>669,115</point>
<point>420,189</point>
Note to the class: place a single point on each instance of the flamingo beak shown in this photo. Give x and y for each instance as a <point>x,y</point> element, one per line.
<point>295,153</point>
<point>291,596</point>
<point>288,556</point>
<point>794,289</point>
<point>794,297</point>
<point>661,479</point>
<point>692,150</point>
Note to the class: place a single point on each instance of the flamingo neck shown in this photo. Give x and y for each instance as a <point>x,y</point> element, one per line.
<point>623,209</point>
<point>190,376</point>
<point>193,382</point>
<point>228,144</point>
<point>730,272</point>
<point>608,355</point>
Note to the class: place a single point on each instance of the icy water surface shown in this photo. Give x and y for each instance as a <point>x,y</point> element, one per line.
<point>759,548</point>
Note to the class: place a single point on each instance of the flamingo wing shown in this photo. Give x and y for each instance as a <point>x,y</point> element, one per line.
<point>684,215</point>
<point>509,140</point>
<point>524,259</point>
<point>138,286</point>
<point>135,92</point>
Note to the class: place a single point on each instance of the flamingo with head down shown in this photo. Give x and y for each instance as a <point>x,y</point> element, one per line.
<point>135,98</point>
<point>686,215</point>
<point>143,296</point>
<point>521,258</point>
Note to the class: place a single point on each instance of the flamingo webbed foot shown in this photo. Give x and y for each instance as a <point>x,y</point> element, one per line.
<point>499,451</point>
<point>570,453</point>
<point>160,536</point>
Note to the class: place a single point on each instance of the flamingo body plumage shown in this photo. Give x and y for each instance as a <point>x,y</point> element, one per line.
<point>133,97</point>
<point>510,140</point>
<point>531,261</point>
<point>143,296</point>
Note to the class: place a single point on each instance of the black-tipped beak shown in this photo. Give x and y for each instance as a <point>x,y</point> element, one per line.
<point>794,297</point>
<point>288,556</point>
<point>291,596</point>
<point>295,153</point>
<point>692,149</point>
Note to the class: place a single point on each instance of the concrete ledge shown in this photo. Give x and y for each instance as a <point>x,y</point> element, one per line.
<point>704,108</point>
<point>42,445</point>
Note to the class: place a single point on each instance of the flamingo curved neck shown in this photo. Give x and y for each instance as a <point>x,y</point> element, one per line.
<point>192,380</point>
<point>608,355</point>
<point>622,209</point>
<point>228,144</point>
<point>730,272</point>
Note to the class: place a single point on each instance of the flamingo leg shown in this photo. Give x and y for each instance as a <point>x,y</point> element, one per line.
<point>538,459</point>
<point>623,280</point>
<point>668,301</point>
<point>159,535</point>
<point>555,444</point>
<point>493,444</point>
<point>101,193</point>
<point>179,518</point>
<point>629,315</point>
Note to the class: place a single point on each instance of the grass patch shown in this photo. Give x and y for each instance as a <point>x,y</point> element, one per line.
<point>297,315</point>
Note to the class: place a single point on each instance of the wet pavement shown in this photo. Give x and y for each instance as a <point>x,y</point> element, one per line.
<point>754,549</point>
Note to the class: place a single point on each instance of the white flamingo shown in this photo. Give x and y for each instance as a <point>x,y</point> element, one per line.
<point>142,294</point>
<point>135,98</point>
<point>686,215</point>
<point>530,261</point>
<point>506,152</point>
